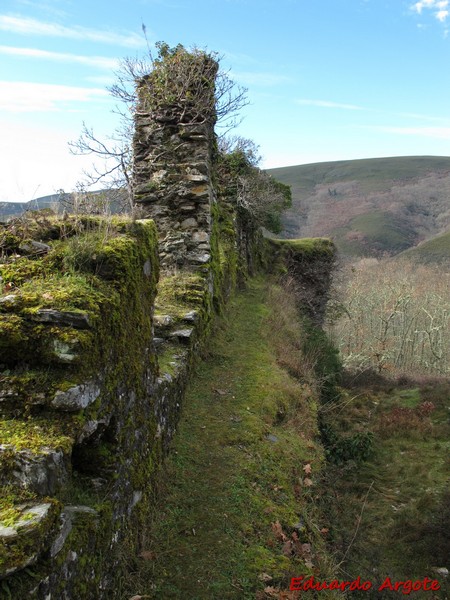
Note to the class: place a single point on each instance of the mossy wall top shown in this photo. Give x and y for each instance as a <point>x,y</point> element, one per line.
<point>77,370</point>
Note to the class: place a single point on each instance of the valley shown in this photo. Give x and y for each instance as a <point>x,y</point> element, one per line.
<point>371,207</point>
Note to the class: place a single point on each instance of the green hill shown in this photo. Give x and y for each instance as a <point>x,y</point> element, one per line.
<point>115,199</point>
<point>369,207</point>
<point>436,250</point>
<point>14,209</point>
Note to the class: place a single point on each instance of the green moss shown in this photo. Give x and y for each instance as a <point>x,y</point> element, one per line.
<point>22,269</point>
<point>227,481</point>
<point>179,293</point>
<point>306,246</point>
<point>32,538</point>
<point>167,359</point>
<point>36,434</point>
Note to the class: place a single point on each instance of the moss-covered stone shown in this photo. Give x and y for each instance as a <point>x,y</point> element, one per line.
<point>82,320</point>
<point>25,531</point>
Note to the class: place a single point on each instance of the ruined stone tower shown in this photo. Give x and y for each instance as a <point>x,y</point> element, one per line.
<point>174,136</point>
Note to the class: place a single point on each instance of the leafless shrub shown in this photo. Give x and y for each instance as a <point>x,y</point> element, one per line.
<point>176,79</point>
<point>396,320</point>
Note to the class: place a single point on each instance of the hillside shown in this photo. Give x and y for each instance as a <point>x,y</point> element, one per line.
<point>369,207</point>
<point>14,209</point>
<point>96,200</point>
<point>436,250</point>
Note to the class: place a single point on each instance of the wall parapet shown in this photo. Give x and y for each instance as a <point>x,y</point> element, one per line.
<point>78,367</point>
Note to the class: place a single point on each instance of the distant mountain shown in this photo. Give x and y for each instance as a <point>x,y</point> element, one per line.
<point>14,209</point>
<point>369,207</point>
<point>57,202</point>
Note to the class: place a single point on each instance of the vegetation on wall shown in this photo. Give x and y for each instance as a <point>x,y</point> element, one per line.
<point>255,192</point>
<point>171,79</point>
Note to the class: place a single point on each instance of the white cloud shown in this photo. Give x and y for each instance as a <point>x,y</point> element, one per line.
<point>442,133</point>
<point>36,161</point>
<point>328,104</point>
<point>439,8</point>
<point>419,6</point>
<point>422,117</point>
<point>93,61</point>
<point>263,78</point>
<point>29,26</point>
<point>22,96</point>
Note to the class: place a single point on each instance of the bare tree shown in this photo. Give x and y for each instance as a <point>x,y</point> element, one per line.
<point>175,77</point>
<point>255,191</point>
<point>396,319</point>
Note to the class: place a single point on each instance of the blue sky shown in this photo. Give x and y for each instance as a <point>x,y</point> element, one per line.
<point>327,79</point>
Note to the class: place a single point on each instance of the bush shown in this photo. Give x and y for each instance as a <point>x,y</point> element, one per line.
<point>340,449</point>
<point>396,320</point>
<point>405,421</point>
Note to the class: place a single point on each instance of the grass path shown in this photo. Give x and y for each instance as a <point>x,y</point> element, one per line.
<point>231,494</point>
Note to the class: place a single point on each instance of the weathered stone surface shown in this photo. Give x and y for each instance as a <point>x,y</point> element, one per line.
<point>77,397</point>
<point>182,334</point>
<point>191,316</point>
<point>9,301</point>
<point>64,352</point>
<point>68,516</point>
<point>56,317</point>
<point>200,236</point>
<point>188,223</point>
<point>172,175</point>
<point>91,428</point>
<point>200,190</point>
<point>26,538</point>
<point>199,258</point>
<point>43,472</point>
<point>34,247</point>
<point>147,268</point>
<point>163,320</point>
<point>196,177</point>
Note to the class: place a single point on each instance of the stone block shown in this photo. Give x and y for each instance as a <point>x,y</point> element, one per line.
<point>77,397</point>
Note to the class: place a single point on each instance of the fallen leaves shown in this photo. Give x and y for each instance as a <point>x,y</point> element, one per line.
<point>272,592</point>
<point>292,546</point>
<point>278,531</point>
<point>220,392</point>
<point>147,555</point>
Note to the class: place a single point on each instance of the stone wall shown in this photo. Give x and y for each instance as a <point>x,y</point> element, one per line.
<point>172,167</point>
<point>79,436</point>
<point>94,370</point>
<point>308,264</point>
<point>96,352</point>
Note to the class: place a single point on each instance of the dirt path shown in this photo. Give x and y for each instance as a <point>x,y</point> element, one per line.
<point>230,489</point>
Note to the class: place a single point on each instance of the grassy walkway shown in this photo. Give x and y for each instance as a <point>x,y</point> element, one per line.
<point>233,518</point>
